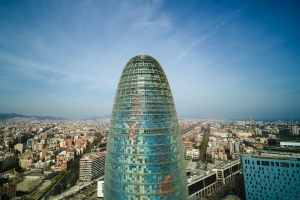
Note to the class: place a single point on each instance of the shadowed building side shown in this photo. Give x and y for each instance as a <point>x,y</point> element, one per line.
<point>145,157</point>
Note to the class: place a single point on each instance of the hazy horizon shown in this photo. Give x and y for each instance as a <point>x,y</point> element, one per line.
<point>223,60</point>
<point>179,117</point>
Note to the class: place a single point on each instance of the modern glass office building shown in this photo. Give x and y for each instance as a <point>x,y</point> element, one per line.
<point>145,157</point>
<point>272,177</point>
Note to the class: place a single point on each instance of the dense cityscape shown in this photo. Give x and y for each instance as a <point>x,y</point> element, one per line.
<point>149,100</point>
<point>37,155</point>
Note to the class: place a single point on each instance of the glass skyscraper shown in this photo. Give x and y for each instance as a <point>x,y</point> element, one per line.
<point>145,159</point>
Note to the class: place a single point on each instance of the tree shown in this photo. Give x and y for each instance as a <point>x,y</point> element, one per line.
<point>56,189</point>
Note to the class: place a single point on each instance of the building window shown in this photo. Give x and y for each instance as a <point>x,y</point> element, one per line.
<point>265,163</point>
<point>258,162</point>
<point>284,164</point>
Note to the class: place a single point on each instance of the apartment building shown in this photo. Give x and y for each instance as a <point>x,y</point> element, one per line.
<point>91,166</point>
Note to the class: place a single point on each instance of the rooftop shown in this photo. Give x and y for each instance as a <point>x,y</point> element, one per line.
<point>279,154</point>
<point>92,156</point>
<point>227,163</point>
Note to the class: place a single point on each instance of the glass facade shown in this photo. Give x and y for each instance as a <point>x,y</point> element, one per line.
<point>145,157</point>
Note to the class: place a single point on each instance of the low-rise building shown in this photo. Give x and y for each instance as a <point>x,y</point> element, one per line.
<point>226,171</point>
<point>25,162</point>
<point>203,186</point>
<point>20,147</point>
<point>205,182</point>
<point>187,146</point>
<point>192,154</point>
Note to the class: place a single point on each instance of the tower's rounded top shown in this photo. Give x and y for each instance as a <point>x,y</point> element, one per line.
<point>142,57</point>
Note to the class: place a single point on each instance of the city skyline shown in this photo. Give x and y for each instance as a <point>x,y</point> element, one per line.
<point>223,60</point>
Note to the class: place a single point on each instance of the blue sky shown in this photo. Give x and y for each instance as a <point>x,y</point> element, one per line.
<point>223,59</point>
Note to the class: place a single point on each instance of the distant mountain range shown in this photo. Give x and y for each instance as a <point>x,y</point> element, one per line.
<point>13,115</point>
<point>97,118</point>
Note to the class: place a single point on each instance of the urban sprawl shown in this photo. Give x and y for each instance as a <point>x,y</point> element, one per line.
<point>60,159</point>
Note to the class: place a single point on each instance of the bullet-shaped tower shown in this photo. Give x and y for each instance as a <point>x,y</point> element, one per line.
<point>144,155</point>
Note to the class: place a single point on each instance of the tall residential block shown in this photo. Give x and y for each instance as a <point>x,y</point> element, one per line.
<point>145,158</point>
<point>91,166</point>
